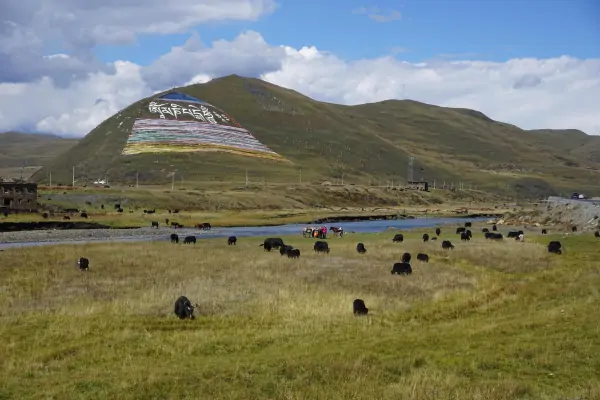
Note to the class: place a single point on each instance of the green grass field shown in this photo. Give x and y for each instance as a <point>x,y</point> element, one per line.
<point>484,321</point>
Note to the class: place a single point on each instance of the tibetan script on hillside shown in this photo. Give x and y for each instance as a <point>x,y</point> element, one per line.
<point>200,112</point>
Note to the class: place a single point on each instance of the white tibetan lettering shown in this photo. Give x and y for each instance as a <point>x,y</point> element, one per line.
<point>195,112</point>
<point>166,110</point>
<point>209,117</point>
<point>176,109</point>
<point>156,108</point>
<point>221,117</point>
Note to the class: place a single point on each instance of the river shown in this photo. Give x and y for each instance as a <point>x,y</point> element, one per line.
<point>279,230</point>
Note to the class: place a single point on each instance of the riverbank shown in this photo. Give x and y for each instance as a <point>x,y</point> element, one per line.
<point>85,235</point>
<point>147,233</point>
<point>103,219</point>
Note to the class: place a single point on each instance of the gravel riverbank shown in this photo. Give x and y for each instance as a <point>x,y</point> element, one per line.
<point>90,234</point>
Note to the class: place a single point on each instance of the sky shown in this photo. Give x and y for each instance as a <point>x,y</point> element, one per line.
<point>66,65</point>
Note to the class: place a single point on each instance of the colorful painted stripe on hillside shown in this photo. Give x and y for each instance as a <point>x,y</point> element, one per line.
<point>168,135</point>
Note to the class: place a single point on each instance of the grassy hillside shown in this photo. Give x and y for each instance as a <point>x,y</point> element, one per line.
<point>493,321</point>
<point>34,150</point>
<point>364,144</point>
<point>576,144</point>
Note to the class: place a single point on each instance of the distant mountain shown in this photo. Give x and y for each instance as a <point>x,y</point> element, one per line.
<point>289,133</point>
<point>34,150</point>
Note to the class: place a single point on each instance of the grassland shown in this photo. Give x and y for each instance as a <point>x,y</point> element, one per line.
<point>484,321</point>
<point>360,144</point>
<point>228,205</point>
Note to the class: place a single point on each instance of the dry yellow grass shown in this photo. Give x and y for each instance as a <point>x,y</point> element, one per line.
<point>484,321</point>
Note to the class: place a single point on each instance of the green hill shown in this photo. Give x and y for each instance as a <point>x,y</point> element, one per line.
<point>29,150</point>
<point>362,144</point>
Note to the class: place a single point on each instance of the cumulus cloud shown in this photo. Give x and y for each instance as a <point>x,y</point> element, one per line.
<point>378,15</point>
<point>26,28</point>
<point>248,54</point>
<point>74,110</point>
<point>561,92</point>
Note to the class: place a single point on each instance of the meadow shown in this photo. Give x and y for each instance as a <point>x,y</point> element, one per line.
<point>486,320</point>
<point>253,206</point>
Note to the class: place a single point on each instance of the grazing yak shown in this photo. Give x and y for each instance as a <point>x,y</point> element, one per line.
<point>406,257</point>
<point>514,234</point>
<point>189,239</point>
<point>574,229</point>
<point>360,248</point>
<point>293,253</point>
<point>544,231</point>
<point>597,234</point>
<point>464,236</point>
<point>438,231</point>
<point>274,243</point>
<point>401,268</point>
<point>494,228</point>
<point>284,249</point>
<point>154,224</point>
<point>83,263</point>
<point>494,236</point>
<point>359,307</point>
<point>83,215</point>
<point>321,247</point>
<point>174,238</point>
<point>205,226</point>
<point>555,247</point>
<point>460,230</point>
<point>267,247</point>
<point>423,257</point>
<point>184,308</point>
<point>425,238</point>
<point>485,230</point>
<point>231,240</point>
<point>398,237</point>
<point>467,225</point>
<point>446,244</point>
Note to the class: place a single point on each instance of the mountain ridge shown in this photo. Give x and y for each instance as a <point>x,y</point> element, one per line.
<point>362,143</point>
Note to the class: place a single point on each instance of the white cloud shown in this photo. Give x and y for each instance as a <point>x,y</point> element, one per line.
<point>76,109</point>
<point>378,15</point>
<point>25,26</point>
<point>562,92</point>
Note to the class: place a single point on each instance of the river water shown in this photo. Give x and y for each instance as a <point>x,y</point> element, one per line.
<point>270,231</point>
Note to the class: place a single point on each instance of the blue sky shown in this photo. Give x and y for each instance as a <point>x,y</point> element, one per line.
<point>543,69</point>
<point>484,30</point>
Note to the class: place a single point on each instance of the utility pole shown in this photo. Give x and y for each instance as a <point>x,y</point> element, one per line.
<point>246,178</point>
<point>301,176</point>
<point>173,182</point>
<point>434,184</point>
<point>137,180</point>
<point>50,178</point>
<point>73,176</point>
<point>181,183</point>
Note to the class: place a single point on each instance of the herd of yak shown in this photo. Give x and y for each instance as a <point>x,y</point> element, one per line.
<point>185,310</point>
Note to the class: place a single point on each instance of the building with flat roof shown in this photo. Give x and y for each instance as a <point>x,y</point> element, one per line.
<point>17,196</point>
<point>417,185</point>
